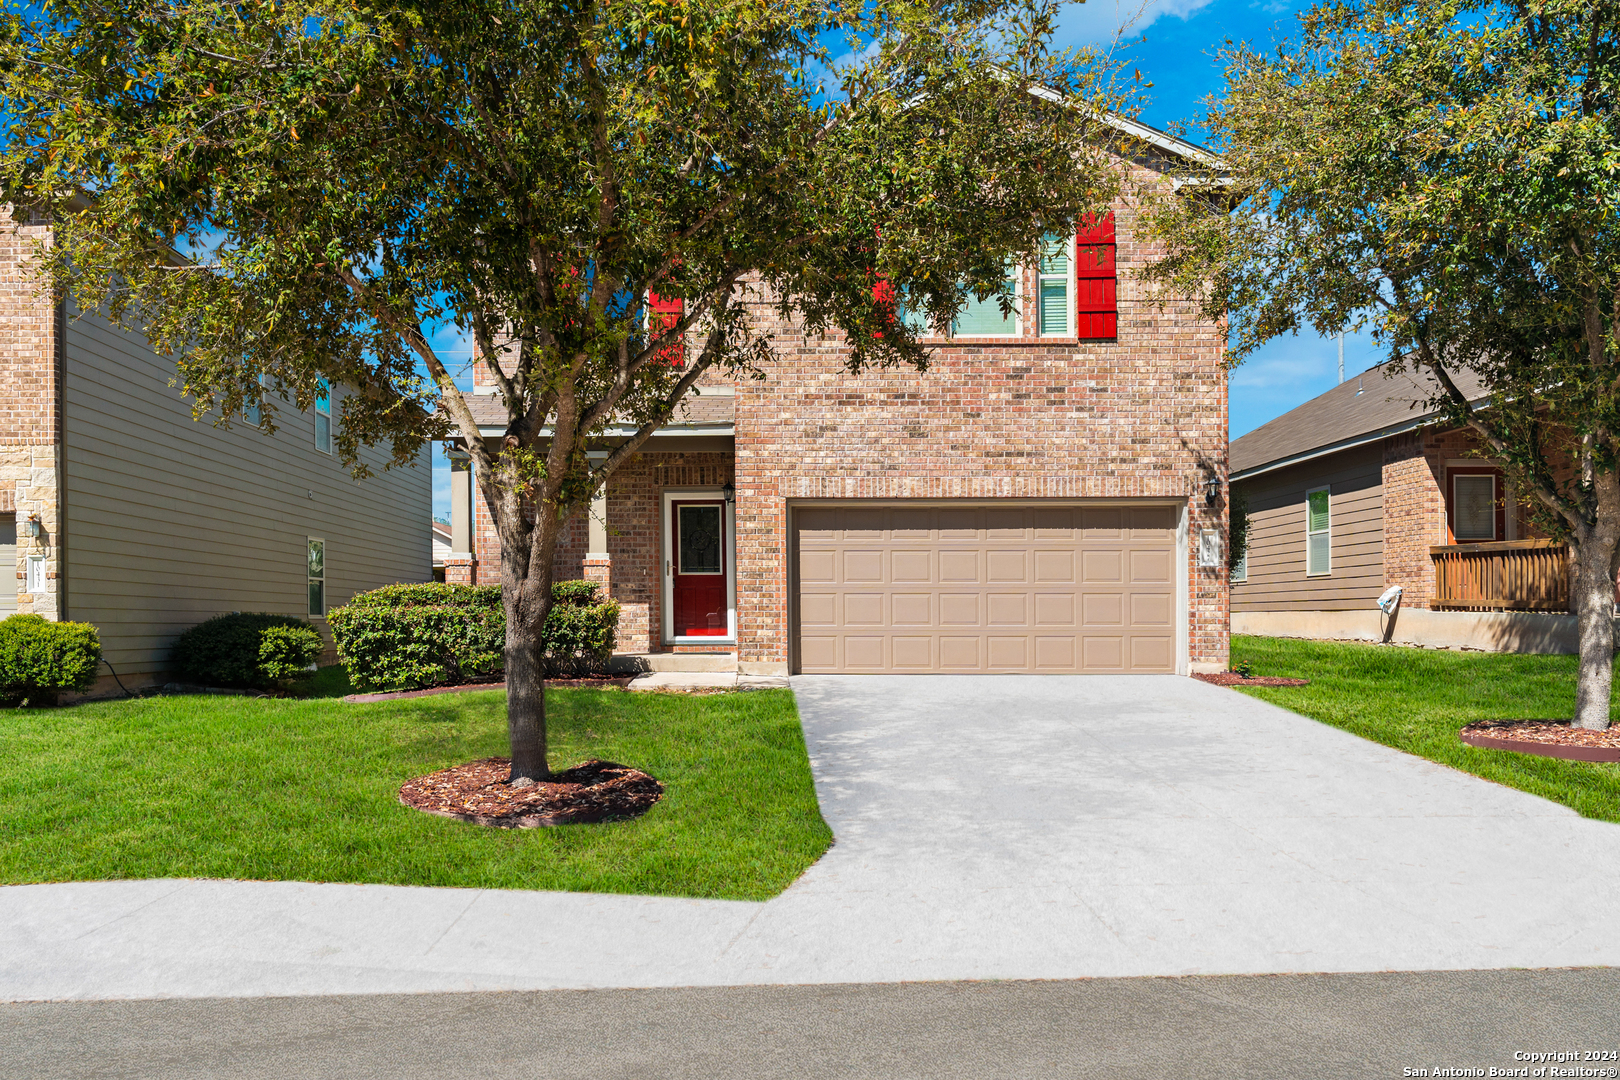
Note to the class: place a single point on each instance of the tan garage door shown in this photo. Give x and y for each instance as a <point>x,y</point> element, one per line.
<point>976,588</point>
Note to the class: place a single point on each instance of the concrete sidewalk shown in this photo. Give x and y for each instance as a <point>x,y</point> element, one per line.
<point>997,827</point>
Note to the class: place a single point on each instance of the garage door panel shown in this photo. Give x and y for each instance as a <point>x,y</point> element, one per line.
<point>1103,609</point>
<point>1055,653</point>
<point>1054,609</point>
<point>986,588</point>
<point>863,566</point>
<point>864,609</point>
<point>1152,653</point>
<point>1150,567</point>
<point>912,609</point>
<point>1006,565</point>
<point>957,566</point>
<point>959,609</point>
<point>959,652</point>
<point>1009,609</point>
<point>1054,566</point>
<point>908,566</point>
<point>1102,566</point>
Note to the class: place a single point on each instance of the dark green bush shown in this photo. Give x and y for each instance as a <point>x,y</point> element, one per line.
<point>247,649</point>
<point>409,637</point>
<point>39,659</point>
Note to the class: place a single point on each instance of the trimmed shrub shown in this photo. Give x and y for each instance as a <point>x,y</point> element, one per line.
<point>39,659</point>
<point>410,637</point>
<point>247,649</point>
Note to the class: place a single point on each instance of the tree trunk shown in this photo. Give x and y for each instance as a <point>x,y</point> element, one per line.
<point>526,596</point>
<point>1593,552</point>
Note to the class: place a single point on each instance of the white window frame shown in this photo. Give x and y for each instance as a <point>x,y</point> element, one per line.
<point>1240,572</point>
<point>323,410</point>
<point>254,413</point>
<point>1071,298</point>
<point>1327,489</point>
<point>666,528</point>
<point>311,579</point>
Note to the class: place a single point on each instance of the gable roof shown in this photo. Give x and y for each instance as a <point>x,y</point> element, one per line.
<point>1359,410</point>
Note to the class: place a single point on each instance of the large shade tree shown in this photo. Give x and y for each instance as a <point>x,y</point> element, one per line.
<point>344,179</point>
<point>1446,172</point>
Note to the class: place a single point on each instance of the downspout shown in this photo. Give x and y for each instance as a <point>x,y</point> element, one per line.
<point>59,361</point>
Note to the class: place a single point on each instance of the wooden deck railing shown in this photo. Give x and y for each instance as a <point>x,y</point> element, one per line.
<point>1506,575</point>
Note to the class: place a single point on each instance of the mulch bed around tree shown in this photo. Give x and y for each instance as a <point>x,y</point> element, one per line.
<point>1544,738</point>
<point>478,792</point>
<point>1232,678</point>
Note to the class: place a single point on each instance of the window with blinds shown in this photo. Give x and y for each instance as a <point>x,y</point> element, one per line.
<point>1474,508</point>
<point>983,318</point>
<point>1318,533</point>
<point>1055,288</point>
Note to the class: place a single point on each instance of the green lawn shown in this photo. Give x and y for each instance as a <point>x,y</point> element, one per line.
<point>304,790</point>
<point>1416,700</point>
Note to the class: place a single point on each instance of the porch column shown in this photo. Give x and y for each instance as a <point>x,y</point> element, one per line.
<point>598,563</point>
<point>460,568</point>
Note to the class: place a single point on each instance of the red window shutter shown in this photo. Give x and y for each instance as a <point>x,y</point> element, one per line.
<point>662,313</point>
<point>1096,304</point>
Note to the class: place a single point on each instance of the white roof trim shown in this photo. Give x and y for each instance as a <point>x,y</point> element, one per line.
<point>1346,444</point>
<point>624,431</point>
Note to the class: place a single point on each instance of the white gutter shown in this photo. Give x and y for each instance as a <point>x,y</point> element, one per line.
<point>624,431</point>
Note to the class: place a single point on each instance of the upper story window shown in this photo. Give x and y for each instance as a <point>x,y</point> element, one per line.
<point>1318,532</point>
<point>323,419</point>
<point>984,318</point>
<point>1055,288</point>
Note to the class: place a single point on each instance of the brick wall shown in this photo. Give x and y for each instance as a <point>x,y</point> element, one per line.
<point>30,398</point>
<point>1142,417</point>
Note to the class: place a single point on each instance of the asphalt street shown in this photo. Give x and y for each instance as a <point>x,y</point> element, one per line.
<point>1297,1026</point>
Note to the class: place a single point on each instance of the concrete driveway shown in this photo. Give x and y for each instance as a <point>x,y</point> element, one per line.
<point>995,827</point>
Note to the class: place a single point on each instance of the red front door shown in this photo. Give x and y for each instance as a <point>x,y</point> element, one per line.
<point>698,567</point>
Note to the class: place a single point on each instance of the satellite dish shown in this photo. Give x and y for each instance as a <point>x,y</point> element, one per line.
<point>1390,600</point>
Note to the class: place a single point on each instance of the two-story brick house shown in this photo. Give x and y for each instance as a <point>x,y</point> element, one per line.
<point>119,509</point>
<point>1038,501</point>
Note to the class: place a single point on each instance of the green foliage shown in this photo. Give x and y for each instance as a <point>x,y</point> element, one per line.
<point>1243,668</point>
<point>1416,700</point>
<point>247,649</point>
<point>39,659</point>
<point>408,637</point>
<point>273,789</point>
<point>1449,174</point>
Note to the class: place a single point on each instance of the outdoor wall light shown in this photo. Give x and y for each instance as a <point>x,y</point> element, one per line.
<point>30,528</point>
<point>730,492</point>
<point>1212,491</point>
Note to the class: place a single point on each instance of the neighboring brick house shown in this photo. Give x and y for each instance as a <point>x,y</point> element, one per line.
<point>1037,501</point>
<point>119,509</point>
<point>1363,488</point>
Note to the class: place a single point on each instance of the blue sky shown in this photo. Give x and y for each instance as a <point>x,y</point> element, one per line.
<point>1174,44</point>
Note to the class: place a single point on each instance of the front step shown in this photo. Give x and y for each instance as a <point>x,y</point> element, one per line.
<point>625,663</point>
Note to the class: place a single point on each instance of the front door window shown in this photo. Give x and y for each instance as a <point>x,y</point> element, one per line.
<point>699,570</point>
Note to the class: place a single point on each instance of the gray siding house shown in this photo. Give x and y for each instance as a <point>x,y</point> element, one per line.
<point>121,510</point>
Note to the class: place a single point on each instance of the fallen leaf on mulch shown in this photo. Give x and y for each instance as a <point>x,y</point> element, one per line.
<point>478,792</point>
<point>1232,678</point>
<point>1553,732</point>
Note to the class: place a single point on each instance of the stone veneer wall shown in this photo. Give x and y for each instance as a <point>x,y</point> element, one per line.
<point>1140,417</point>
<point>30,412</point>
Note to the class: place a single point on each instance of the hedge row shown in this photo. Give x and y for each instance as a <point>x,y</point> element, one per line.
<point>410,637</point>
<point>247,649</point>
<point>39,659</point>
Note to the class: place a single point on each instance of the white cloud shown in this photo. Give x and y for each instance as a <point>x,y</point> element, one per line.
<point>1101,21</point>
